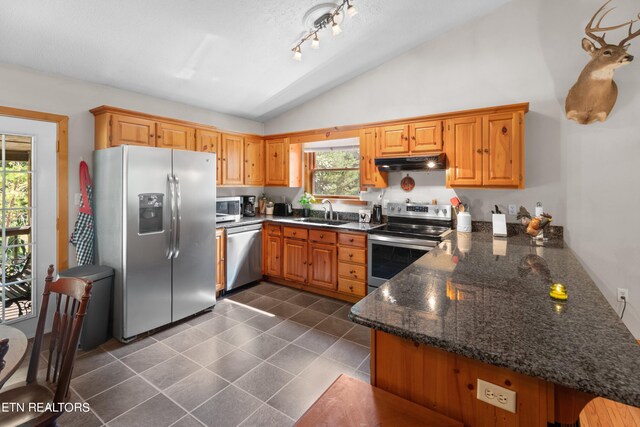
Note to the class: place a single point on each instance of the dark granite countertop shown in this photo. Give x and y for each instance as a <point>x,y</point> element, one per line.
<point>489,300</point>
<point>351,226</point>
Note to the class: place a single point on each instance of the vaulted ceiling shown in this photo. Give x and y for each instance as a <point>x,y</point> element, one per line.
<point>229,56</point>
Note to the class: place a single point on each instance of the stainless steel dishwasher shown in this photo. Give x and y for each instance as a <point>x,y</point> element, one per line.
<point>244,255</point>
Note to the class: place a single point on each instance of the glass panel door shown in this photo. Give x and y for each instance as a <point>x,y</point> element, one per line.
<point>387,260</point>
<point>16,226</point>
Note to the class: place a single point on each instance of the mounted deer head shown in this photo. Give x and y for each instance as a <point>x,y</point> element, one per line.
<point>593,96</point>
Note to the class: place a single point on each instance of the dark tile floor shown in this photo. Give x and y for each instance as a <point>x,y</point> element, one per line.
<point>261,357</point>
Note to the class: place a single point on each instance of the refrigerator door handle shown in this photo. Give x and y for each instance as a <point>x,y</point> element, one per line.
<point>172,192</point>
<point>176,246</point>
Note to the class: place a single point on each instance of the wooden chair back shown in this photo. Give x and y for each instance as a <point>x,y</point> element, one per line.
<point>72,298</point>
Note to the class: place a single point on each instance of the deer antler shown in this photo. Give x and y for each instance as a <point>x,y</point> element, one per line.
<point>631,35</point>
<point>590,30</point>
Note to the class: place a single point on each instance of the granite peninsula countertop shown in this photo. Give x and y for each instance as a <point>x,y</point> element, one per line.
<point>489,300</point>
<point>350,226</point>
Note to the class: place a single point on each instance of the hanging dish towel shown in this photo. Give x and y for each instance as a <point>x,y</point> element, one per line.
<point>83,235</point>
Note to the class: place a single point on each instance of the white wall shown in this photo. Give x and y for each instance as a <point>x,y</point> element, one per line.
<point>527,50</point>
<point>22,88</point>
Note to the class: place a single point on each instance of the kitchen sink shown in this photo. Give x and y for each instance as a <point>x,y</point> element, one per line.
<point>320,221</point>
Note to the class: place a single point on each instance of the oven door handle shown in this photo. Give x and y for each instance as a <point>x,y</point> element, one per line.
<point>401,242</point>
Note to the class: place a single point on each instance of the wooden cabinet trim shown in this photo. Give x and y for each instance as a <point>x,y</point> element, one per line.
<point>337,132</point>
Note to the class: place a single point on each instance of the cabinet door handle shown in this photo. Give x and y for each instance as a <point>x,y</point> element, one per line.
<point>486,150</point>
<point>294,233</point>
<point>322,236</point>
<point>352,272</point>
<point>350,255</point>
<point>413,138</point>
<point>479,150</point>
<point>351,240</point>
<point>304,262</point>
<point>310,264</point>
<point>351,288</point>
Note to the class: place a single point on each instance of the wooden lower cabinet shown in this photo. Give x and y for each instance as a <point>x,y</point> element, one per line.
<point>323,260</point>
<point>295,260</point>
<point>221,254</point>
<point>312,258</point>
<point>447,383</point>
<point>272,256</point>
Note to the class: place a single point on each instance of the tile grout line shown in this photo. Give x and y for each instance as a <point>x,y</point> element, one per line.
<point>90,408</point>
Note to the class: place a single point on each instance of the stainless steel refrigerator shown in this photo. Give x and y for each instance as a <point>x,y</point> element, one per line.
<point>155,225</point>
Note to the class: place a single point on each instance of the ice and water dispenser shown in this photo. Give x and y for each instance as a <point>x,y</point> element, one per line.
<point>150,213</point>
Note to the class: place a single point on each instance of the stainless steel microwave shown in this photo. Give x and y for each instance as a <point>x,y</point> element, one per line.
<point>228,209</point>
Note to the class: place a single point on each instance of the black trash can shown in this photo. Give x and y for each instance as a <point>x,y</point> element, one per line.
<point>97,323</point>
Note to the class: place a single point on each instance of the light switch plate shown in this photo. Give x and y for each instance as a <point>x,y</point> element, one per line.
<point>513,210</point>
<point>77,197</point>
<point>497,396</point>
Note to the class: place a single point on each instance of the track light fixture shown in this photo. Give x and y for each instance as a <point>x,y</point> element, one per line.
<point>297,54</point>
<point>329,19</point>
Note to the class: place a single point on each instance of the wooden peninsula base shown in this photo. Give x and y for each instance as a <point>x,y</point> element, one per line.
<point>447,383</point>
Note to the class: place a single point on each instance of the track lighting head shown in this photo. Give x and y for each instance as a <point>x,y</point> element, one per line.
<point>297,53</point>
<point>351,10</point>
<point>315,42</point>
<point>335,28</point>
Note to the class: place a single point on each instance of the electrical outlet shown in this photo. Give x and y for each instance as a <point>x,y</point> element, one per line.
<point>385,202</point>
<point>513,210</point>
<point>622,292</point>
<point>497,396</point>
<point>77,197</point>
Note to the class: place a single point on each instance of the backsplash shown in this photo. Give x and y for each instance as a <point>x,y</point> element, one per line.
<point>513,229</point>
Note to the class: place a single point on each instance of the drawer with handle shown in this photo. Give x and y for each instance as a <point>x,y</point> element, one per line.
<point>296,233</point>
<point>357,240</point>
<point>273,230</point>
<point>352,271</point>
<point>323,236</point>
<point>352,287</point>
<point>348,254</point>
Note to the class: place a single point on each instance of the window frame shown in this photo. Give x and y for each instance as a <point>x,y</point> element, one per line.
<point>309,182</point>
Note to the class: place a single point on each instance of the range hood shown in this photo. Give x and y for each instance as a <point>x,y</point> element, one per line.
<point>421,163</point>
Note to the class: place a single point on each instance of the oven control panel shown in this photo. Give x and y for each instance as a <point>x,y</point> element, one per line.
<point>419,210</point>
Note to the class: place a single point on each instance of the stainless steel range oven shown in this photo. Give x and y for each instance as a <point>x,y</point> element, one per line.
<point>413,229</point>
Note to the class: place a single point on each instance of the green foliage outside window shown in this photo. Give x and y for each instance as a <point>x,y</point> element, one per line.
<point>336,173</point>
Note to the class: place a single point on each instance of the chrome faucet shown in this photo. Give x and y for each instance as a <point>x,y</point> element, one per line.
<point>330,209</point>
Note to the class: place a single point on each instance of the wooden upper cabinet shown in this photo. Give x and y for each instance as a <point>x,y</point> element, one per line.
<point>169,135</point>
<point>232,159</point>
<point>295,260</point>
<point>209,142</point>
<point>254,163</point>
<point>323,266</point>
<point>394,141</point>
<point>464,151</point>
<point>277,162</point>
<point>502,150</point>
<point>425,137</point>
<point>486,151</point>
<point>283,163</point>
<point>127,130</point>
<point>370,175</point>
